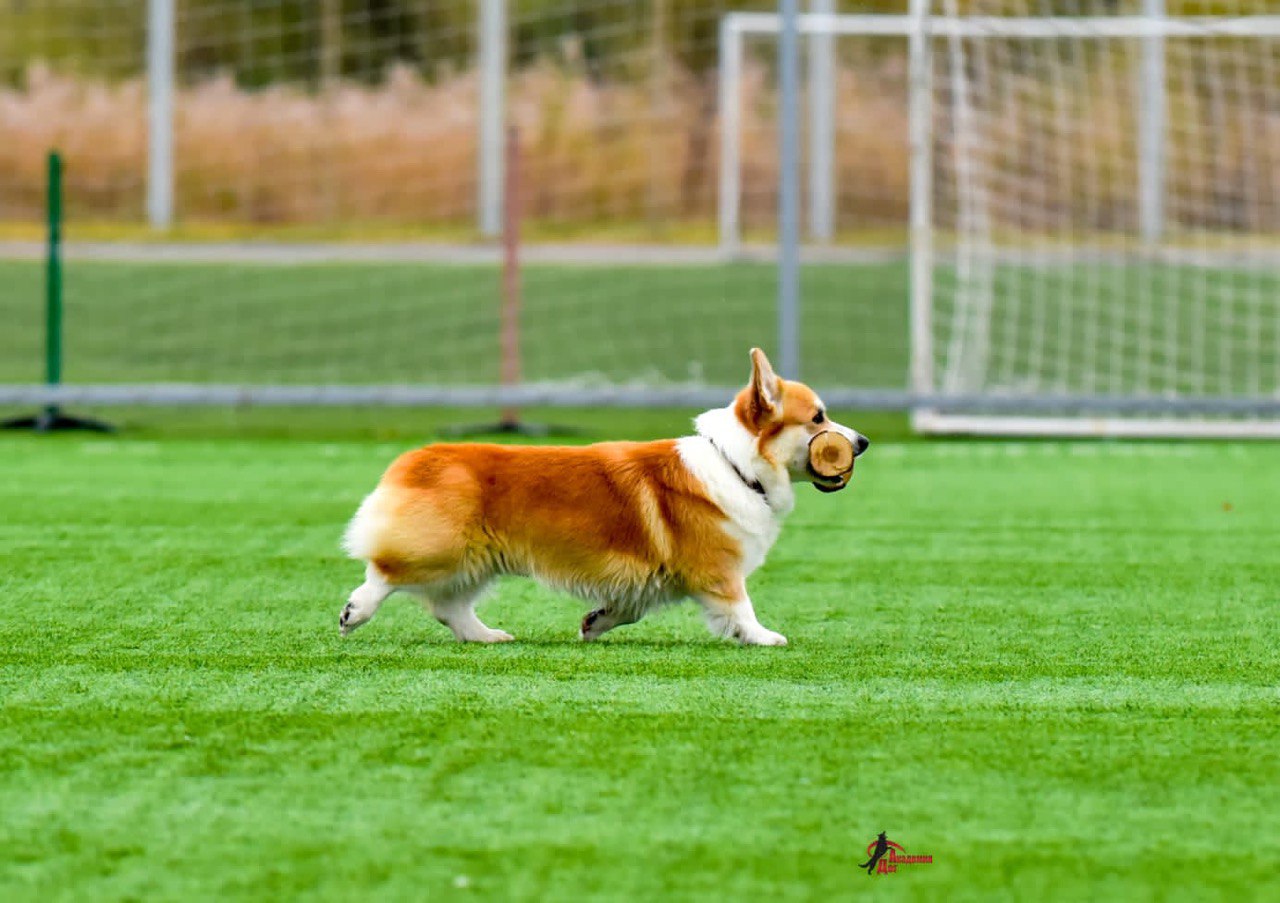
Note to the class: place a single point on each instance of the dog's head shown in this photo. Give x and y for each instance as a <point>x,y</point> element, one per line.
<point>784,416</point>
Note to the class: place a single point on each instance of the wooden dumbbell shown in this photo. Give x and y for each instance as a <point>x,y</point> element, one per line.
<point>831,460</point>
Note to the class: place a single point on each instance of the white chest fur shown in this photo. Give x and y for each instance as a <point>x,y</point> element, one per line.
<point>720,457</point>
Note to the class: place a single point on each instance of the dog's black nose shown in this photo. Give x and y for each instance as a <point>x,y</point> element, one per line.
<point>863,444</point>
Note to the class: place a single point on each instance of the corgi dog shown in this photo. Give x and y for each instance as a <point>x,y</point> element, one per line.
<point>627,526</point>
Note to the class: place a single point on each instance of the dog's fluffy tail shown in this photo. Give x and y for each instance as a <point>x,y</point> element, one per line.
<point>361,538</point>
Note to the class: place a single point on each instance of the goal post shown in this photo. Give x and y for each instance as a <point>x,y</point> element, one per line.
<point>1095,214</point>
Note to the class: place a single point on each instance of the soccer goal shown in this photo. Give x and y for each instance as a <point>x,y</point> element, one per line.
<point>1095,212</point>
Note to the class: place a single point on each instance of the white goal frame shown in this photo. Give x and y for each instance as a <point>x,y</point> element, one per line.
<point>932,411</point>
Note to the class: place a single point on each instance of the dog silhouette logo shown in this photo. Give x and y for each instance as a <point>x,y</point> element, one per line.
<point>884,856</point>
<point>876,852</point>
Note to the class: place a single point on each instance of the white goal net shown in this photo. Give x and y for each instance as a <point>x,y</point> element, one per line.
<point>1103,218</point>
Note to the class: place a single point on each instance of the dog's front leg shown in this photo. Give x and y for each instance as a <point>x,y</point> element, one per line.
<point>730,614</point>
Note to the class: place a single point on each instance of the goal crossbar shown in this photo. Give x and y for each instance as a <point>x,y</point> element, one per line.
<point>889,25</point>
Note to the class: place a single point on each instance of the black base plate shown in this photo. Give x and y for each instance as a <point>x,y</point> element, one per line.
<point>52,420</point>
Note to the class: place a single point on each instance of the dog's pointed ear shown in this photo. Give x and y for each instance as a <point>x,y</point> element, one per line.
<point>766,388</point>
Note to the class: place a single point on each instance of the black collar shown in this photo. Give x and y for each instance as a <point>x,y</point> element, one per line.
<point>753,485</point>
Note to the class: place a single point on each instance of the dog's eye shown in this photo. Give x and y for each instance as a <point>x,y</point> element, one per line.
<point>820,416</point>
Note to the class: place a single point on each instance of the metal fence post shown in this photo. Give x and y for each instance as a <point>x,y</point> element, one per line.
<point>822,132</point>
<point>160,75</point>
<point>492,136</point>
<point>789,191</point>
<point>730,77</point>
<point>52,419</point>
<point>1151,129</point>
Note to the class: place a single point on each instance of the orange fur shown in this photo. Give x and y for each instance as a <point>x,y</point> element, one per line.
<point>614,515</point>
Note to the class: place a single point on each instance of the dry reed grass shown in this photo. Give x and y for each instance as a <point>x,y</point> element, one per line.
<point>595,152</point>
<point>405,151</point>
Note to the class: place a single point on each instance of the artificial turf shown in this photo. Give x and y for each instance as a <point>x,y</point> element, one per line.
<point>1051,666</point>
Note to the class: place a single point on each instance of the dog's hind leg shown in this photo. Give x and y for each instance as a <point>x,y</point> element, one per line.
<point>602,620</point>
<point>364,601</point>
<point>455,609</point>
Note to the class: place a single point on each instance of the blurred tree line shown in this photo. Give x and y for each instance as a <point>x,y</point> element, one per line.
<point>266,41</point>
<point>262,42</point>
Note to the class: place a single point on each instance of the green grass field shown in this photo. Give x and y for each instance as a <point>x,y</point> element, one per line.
<point>408,323</point>
<point>1050,666</point>
<point>1092,329</point>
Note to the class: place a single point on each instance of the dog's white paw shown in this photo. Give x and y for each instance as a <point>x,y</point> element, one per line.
<point>488,635</point>
<point>363,603</point>
<point>761,636</point>
<point>352,617</point>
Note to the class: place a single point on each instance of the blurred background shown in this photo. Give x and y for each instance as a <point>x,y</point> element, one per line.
<point>275,243</point>
<point>314,193</point>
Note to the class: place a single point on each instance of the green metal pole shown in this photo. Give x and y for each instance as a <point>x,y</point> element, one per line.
<point>51,419</point>
<point>53,281</point>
